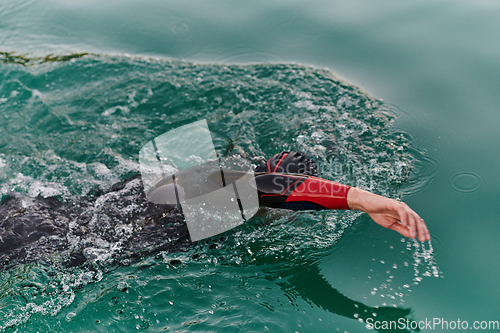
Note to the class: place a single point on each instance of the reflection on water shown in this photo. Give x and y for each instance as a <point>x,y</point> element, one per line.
<point>304,279</point>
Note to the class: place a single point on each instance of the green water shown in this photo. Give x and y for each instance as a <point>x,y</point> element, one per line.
<point>256,72</point>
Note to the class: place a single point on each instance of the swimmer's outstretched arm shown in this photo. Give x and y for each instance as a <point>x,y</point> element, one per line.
<point>389,213</point>
<point>301,192</point>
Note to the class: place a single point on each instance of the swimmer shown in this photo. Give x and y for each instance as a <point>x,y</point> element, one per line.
<point>287,180</point>
<point>55,232</point>
<point>33,228</point>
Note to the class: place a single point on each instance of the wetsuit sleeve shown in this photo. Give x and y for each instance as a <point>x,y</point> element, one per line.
<point>298,192</point>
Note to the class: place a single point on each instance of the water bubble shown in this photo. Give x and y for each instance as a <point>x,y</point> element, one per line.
<point>122,286</point>
<point>319,148</point>
<point>317,136</point>
<point>3,168</point>
<point>301,139</point>
<point>70,316</point>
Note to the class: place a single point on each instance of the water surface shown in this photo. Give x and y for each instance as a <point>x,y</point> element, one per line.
<point>73,124</point>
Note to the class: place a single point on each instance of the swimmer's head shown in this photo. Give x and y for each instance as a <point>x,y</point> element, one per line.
<point>289,162</point>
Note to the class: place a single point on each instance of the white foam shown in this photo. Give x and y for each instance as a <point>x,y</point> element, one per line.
<point>3,168</point>
<point>307,105</point>
<point>48,190</point>
<point>36,93</point>
<point>112,110</point>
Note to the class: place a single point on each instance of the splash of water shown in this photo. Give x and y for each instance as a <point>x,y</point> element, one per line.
<point>74,125</point>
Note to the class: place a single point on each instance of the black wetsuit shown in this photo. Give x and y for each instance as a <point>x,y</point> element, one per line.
<point>32,229</point>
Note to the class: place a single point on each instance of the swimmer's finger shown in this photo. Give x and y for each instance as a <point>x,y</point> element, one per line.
<point>426,231</point>
<point>404,219</point>
<point>402,229</point>
<point>421,229</point>
<point>412,224</point>
<point>403,216</point>
<point>407,219</point>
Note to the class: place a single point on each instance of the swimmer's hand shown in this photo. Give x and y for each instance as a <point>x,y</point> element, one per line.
<point>389,213</point>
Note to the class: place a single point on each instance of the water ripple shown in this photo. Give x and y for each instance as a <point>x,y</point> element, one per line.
<point>466,182</point>
<point>424,172</point>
